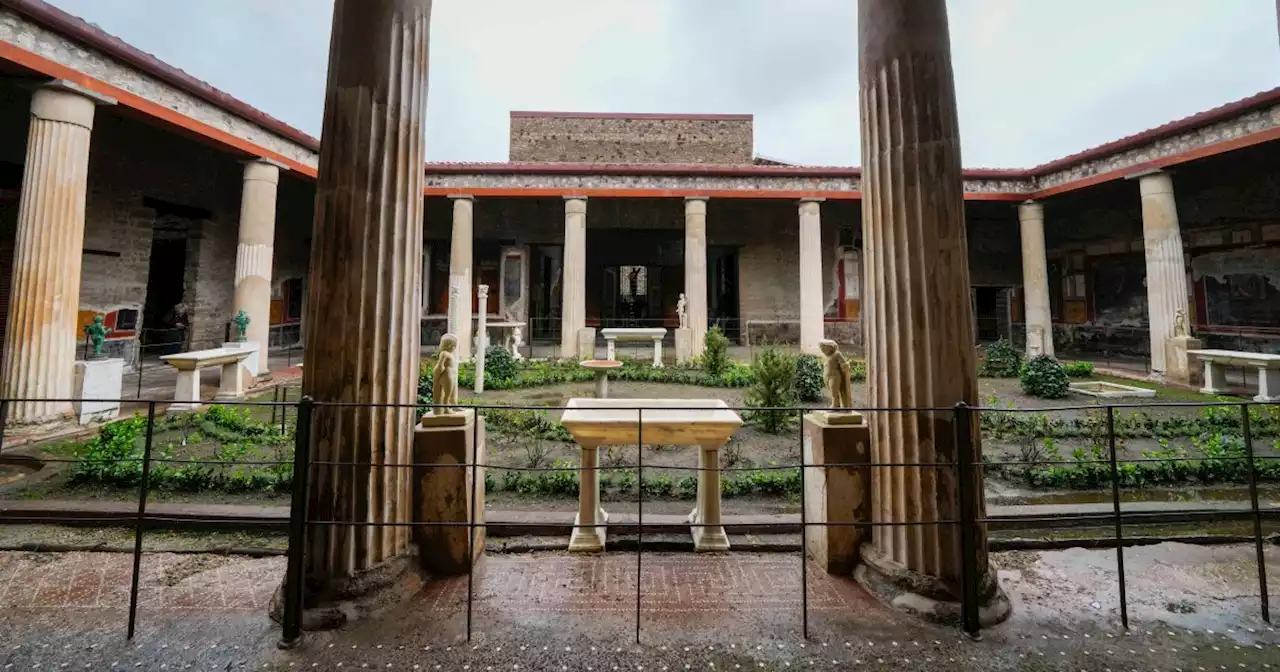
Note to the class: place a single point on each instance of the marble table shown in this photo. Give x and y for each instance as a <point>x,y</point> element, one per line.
<point>706,423</point>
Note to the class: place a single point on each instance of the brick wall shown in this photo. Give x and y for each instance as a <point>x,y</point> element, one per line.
<point>640,139</point>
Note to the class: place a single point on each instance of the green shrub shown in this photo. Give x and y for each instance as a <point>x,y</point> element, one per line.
<point>499,367</point>
<point>715,351</point>
<point>809,381</point>
<point>1078,369</point>
<point>114,457</point>
<point>1001,359</point>
<point>1044,377</point>
<point>774,386</point>
<point>857,371</point>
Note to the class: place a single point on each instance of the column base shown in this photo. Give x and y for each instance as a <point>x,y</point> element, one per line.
<point>588,539</point>
<point>927,596</point>
<point>332,602</point>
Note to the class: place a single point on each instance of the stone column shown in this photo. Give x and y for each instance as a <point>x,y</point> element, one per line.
<point>810,275</point>
<point>366,286</point>
<point>920,350</point>
<point>254,253</point>
<point>1166,266</point>
<point>573,306</point>
<point>44,300</point>
<point>695,270</point>
<point>1035,280</point>
<point>460,259</point>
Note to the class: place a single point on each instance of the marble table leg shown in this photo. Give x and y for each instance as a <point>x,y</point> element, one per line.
<point>1215,378</point>
<point>1268,384</point>
<point>186,396</point>
<point>657,353</point>
<point>589,525</point>
<point>708,534</point>
<point>602,384</point>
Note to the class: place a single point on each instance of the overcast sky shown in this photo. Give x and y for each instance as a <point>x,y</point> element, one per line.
<point>1037,79</point>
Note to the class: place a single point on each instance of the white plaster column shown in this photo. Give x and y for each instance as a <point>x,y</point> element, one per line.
<point>44,300</point>
<point>1166,267</point>
<point>255,252</point>
<point>460,260</point>
<point>482,333</point>
<point>573,306</point>
<point>695,270</point>
<point>810,275</point>
<point>1035,280</point>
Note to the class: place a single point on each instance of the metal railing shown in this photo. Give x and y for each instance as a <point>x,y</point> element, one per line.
<point>967,469</point>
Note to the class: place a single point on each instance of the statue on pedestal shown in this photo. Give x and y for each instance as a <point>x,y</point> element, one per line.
<point>241,320</point>
<point>680,311</point>
<point>837,375</point>
<point>97,333</point>
<point>444,390</point>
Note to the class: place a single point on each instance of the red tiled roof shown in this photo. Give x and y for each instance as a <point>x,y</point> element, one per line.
<point>82,31</point>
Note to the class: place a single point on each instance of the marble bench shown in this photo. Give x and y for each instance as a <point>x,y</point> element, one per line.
<point>614,334</point>
<point>186,396</point>
<point>1217,361</point>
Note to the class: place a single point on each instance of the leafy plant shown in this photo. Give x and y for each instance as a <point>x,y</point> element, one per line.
<point>715,351</point>
<point>1078,369</point>
<point>1001,359</point>
<point>774,387</point>
<point>1044,377</point>
<point>809,381</point>
<point>499,366</point>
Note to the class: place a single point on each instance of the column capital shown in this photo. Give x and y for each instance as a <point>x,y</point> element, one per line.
<point>262,170</point>
<point>575,204</point>
<point>1153,182</point>
<point>461,197</point>
<point>1029,210</point>
<point>67,102</point>
<point>703,199</point>
<point>812,199</point>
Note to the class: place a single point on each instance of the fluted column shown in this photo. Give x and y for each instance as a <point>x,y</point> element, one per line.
<point>460,259</point>
<point>810,275</point>
<point>695,270</point>
<point>919,337</point>
<point>573,305</point>
<point>1166,266</point>
<point>365,296</point>
<point>255,251</point>
<point>1035,280</point>
<point>44,299</point>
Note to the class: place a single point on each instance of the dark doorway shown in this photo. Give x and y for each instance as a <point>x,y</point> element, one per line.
<point>544,291</point>
<point>722,289</point>
<point>163,330</point>
<point>986,312</point>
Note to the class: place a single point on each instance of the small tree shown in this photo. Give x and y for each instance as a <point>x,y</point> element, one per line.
<point>1000,360</point>
<point>1044,377</point>
<point>774,387</point>
<point>715,351</point>
<point>809,381</point>
<point>499,366</point>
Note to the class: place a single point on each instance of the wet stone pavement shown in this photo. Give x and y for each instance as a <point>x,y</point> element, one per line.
<point>550,611</point>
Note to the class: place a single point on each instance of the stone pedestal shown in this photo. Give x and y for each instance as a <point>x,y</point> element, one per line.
<point>99,380</point>
<point>253,365</point>
<point>586,343</point>
<point>254,255</point>
<point>836,494</point>
<point>444,494</point>
<point>684,346</point>
<point>918,316</point>
<point>365,274</point>
<point>704,520</point>
<point>1179,366</point>
<point>44,292</point>
<point>589,531</point>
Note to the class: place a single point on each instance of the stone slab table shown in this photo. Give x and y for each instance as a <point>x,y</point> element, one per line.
<point>1215,374</point>
<point>231,385</point>
<point>614,334</point>
<point>706,423</point>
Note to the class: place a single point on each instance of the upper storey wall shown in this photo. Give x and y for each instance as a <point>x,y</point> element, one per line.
<point>579,138</point>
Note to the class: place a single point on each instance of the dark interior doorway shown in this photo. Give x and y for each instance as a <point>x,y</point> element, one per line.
<point>986,312</point>
<point>164,332</point>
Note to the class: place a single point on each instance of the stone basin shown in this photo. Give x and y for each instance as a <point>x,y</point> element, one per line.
<point>1105,390</point>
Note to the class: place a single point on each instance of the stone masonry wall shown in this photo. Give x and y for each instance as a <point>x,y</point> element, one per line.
<point>639,139</point>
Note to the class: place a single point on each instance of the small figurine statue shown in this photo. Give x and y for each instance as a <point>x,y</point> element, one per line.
<point>241,321</point>
<point>836,372</point>
<point>444,389</point>
<point>517,342</point>
<point>1180,323</point>
<point>97,333</point>
<point>680,311</point>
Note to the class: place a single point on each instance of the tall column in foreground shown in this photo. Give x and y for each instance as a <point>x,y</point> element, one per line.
<point>254,253</point>
<point>695,270</point>
<point>460,259</point>
<point>365,299</point>
<point>810,275</point>
<point>573,305</point>
<point>1166,266</point>
<point>1035,280</point>
<point>40,342</point>
<point>919,337</point>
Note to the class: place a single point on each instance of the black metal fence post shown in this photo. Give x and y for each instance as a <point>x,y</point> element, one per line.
<point>291,617</point>
<point>969,569</point>
<point>1257,514</point>
<point>804,536</point>
<point>639,508</point>
<point>138,393</point>
<point>1115,507</point>
<point>142,512</point>
<point>471,519</point>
